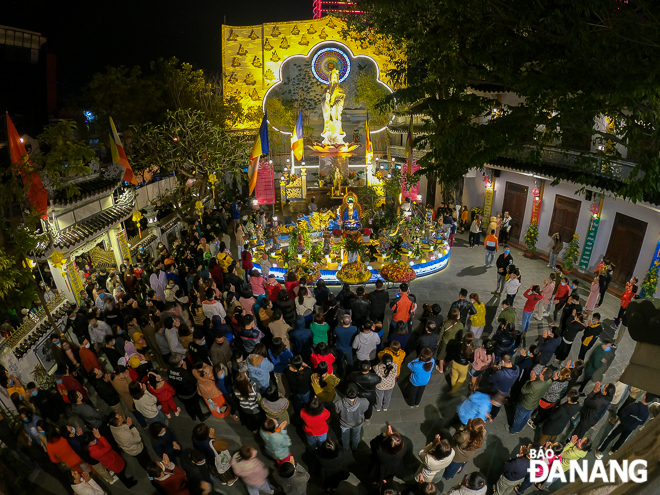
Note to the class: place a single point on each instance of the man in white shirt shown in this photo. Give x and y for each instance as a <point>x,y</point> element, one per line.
<point>172,334</point>
<point>98,329</point>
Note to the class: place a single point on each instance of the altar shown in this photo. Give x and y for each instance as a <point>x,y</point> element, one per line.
<point>338,246</point>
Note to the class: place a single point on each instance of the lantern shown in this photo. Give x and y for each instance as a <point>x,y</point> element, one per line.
<point>137,216</point>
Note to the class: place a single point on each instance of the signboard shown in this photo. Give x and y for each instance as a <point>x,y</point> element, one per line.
<point>74,279</point>
<point>589,243</point>
<point>413,192</point>
<point>488,206</point>
<point>123,246</point>
<point>265,188</point>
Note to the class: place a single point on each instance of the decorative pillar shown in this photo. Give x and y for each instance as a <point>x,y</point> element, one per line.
<point>303,179</point>
<point>282,190</point>
<point>590,239</point>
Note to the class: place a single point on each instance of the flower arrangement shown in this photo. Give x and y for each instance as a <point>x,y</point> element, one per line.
<point>650,283</point>
<point>352,243</point>
<point>398,271</point>
<point>532,236</point>
<point>293,178</point>
<point>572,253</point>
<point>352,176</point>
<point>395,247</point>
<point>336,233</point>
<point>309,271</point>
<point>476,210</point>
<point>366,232</point>
<point>354,273</point>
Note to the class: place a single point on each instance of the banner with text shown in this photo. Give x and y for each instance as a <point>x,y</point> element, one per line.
<point>123,246</point>
<point>488,206</point>
<point>74,279</point>
<point>413,192</point>
<point>589,243</point>
<point>265,188</point>
<point>536,210</point>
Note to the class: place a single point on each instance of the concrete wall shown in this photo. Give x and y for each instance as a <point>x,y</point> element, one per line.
<point>610,208</point>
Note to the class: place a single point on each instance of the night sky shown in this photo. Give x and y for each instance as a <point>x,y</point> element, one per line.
<point>89,35</point>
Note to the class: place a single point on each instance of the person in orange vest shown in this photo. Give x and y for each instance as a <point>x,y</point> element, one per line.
<point>403,308</point>
<point>491,245</point>
<point>627,296</point>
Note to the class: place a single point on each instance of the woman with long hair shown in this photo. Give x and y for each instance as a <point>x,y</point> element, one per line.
<point>387,452</point>
<point>59,449</point>
<point>305,303</point>
<point>248,398</point>
<point>387,370</point>
<point>475,231</point>
<point>477,320</point>
<point>145,403</point>
<point>467,440</point>
<point>206,388</point>
<point>547,291</point>
<point>322,352</point>
<point>435,457</point>
<point>461,360</point>
<point>315,418</point>
<point>291,283</point>
<point>421,369</point>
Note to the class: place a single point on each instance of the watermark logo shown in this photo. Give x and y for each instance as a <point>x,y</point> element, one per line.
<point>539,469</point>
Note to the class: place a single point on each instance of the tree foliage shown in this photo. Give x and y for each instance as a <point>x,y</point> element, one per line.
<point>571,62</point>
<point>371,93</point>
<point>61,156</point>
<point>193,146</point>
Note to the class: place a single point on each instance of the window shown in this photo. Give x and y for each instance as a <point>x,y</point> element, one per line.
<point>565,217</point>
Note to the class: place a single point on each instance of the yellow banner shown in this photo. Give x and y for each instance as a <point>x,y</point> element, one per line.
<point>74,279</point>
<point>123,246</point>
<point>488,205</point>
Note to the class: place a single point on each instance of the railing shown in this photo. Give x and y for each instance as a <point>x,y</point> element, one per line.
<point>399,152</point>
<point>619,169</point>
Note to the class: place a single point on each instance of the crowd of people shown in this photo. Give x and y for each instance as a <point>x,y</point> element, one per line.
<point>195,332</point>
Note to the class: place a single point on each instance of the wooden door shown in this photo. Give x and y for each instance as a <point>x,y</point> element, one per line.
<point>564,217</point>
<point>625,244</point>
<point>515,200</point>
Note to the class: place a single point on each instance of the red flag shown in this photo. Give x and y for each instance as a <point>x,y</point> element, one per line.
<point>36,193</point>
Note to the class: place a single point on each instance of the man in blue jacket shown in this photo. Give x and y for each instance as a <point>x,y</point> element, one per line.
<point>630,417</point>
<point>503,379</point>
<point>548,344</point>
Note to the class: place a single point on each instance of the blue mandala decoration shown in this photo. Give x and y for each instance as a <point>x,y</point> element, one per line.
<point>328,59</point>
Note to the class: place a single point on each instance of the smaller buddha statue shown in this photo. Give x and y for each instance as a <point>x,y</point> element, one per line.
<point>350,217</point>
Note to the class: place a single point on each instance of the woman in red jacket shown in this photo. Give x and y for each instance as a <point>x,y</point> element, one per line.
<point>315,418</point>
<point>627,296</point>
<point>100,449</point>
<point>167,477</point>
<point>164,393</point>
<point>59,450</point>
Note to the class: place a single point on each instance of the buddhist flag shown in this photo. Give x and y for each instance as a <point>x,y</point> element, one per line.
<point>367,132</point>
<point>409,141</point>
<point>260,148</point>
<point>119,156</point>
<point>20,160</point>
<point>297,138</point>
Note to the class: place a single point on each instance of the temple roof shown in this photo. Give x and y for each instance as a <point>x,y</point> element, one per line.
<point>86,190</point>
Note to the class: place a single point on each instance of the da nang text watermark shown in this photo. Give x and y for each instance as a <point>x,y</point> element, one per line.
<point>539,470</point>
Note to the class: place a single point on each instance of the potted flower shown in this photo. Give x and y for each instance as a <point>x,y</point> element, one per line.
<point>320,177</point>
<point>366,235</point>
<point>352,177</point>
<point>336,235</point>
<point>531,238</point>
<point>571,254</point>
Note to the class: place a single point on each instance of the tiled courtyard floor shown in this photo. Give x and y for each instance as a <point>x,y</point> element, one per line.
<point>466,269</point>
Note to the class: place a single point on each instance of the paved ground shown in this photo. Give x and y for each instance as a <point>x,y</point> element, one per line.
<point>466,269</point>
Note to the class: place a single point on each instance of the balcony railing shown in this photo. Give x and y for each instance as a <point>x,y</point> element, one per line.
<point>399,152</point>
<point>619,169</point>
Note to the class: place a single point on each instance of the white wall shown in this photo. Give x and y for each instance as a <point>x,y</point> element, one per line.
<point>473,191</point>
<point>610,208</point>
